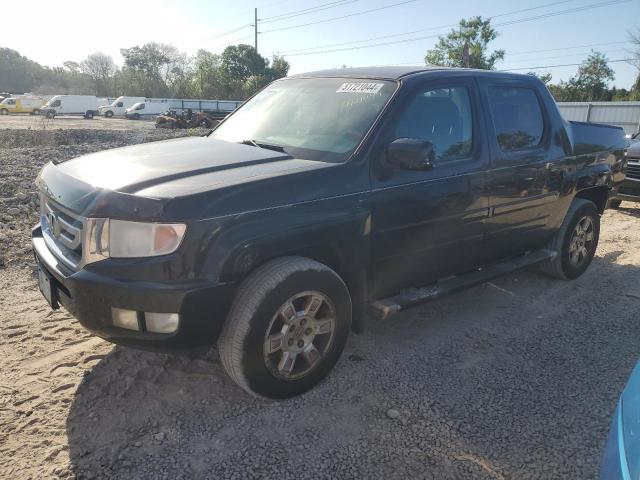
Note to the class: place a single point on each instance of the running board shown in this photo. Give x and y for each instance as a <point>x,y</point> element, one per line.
<point>384,308</point>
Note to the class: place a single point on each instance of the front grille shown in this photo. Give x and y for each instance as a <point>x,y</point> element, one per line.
<point>633,169</point>
<point>62,231</point>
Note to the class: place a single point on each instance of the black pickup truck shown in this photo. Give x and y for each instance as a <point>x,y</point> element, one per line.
<point>325,197</point>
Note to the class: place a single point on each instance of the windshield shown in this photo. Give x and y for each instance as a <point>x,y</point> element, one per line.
<point>311,118</point>
<point>54,102</point>
<point>117,102</point>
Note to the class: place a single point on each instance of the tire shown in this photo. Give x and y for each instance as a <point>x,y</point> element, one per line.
<point>36,112</point>
<point>50,114</point>
<point>88,115</point>
<point>567,241</point>
<point>615,204</point>
<point>108,114</point>
<point>4,111</point>
<point>256,318</point>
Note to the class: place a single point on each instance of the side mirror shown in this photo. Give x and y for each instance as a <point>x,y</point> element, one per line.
<point>411,154</point>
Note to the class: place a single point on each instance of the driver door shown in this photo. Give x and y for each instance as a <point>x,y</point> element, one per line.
<point>429,224</point>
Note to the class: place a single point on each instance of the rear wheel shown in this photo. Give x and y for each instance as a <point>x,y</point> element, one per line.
<point>286,328</point>
<point>576,241</point>
<point>88,115</point>
<point>4,111</point>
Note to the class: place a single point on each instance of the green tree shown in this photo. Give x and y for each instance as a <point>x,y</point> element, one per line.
<point>466,46</point>
<point>150,68</point>
<point>242,61</point>
<point>101,68</point>
<point>593,76</point>
<point>544,77</point>
<point>589,84</point>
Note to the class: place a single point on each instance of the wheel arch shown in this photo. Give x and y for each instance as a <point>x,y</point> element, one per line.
<point>342,245</point>
<point>598,195</point>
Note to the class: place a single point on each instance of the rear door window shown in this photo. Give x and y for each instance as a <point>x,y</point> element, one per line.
<point>517,117</point>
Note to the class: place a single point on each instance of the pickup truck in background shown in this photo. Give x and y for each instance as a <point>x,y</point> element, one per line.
<point>325,197</point>
<point>629,189</point>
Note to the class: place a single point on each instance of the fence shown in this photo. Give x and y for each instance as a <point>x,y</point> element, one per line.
<point>621,114</point>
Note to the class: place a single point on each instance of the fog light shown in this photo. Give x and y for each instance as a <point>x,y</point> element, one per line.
<point>161,322</point>
<point>124,318</point>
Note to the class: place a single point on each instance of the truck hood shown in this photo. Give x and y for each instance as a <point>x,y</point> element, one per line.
<point>192,176</point>
<point>145,167</point>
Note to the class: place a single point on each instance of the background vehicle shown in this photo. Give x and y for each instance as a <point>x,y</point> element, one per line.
<point>621,458</point>
<point>325,196</point>
<point>629,190</point>
<point>187,119</point>
<point>119,105</point>
<point>85,105</point>
<point>21,105</point>
<point>145,110</point>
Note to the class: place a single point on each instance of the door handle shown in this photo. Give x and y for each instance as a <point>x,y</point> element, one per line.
<point>552,167</point>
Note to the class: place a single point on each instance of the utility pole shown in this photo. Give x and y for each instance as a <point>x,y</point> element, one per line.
<point>255,29</point>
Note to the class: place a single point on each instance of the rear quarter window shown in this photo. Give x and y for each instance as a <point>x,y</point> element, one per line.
<point>517,117</point>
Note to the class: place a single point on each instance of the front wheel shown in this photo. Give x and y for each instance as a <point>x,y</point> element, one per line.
<point>108,114</point>
<point>615,204</point>
<point>286,329</point>
<point>576,241</point>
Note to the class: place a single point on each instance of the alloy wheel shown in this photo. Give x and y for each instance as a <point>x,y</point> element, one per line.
<point>299,335</point>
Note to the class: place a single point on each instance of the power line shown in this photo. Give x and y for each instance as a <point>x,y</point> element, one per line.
<point>569,48</point>
<point>513,12</point>
<point>232,42</point>
<point>306,11</point>
<point>531,51</point>
<point>575,54</point>
<point>340,17</point>
<point>424,37</point>
<point>223,34</point>
<point>561,65</point>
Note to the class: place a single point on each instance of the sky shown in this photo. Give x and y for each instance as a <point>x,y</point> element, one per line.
<point>534,33</point>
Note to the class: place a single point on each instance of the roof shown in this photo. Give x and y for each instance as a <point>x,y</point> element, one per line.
<point>385,73</point>
<point>393,73</point>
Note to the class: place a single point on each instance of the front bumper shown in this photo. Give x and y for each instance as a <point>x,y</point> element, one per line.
<point>89,296</point>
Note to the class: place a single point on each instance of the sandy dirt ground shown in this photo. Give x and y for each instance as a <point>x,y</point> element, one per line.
<point>513,379</point>
<point>37,122</point>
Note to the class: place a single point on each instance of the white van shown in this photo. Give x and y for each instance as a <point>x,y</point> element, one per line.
<point>119,105</point>
<point>85,105</point>
<point>146,109</point>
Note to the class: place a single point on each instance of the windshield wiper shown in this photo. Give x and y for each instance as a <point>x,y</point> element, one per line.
<point>268,146</point>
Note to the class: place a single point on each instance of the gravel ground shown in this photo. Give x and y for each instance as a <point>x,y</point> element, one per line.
<point>72,122</point>
<point>512,379</point>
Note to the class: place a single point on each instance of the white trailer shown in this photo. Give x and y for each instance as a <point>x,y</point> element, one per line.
<point>119,105</point>
<point>85,105</point>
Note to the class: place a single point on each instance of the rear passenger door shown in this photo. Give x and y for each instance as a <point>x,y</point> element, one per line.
<point>524,183</point>
<point>427,224</point>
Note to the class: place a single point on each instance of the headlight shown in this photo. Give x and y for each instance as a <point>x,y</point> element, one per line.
<point>122,239</point>
<point>136,239</point>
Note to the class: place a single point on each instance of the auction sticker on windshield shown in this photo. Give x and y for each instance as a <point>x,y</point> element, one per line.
<point>360,88</point>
